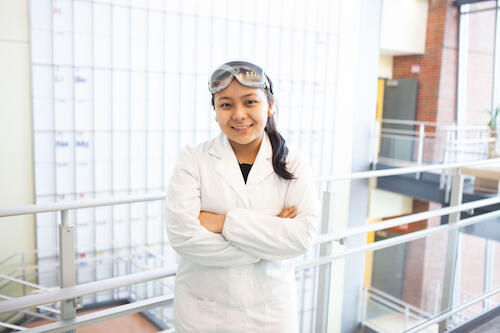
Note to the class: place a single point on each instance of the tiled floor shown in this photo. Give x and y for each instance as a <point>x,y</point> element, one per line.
<point>127,324</point>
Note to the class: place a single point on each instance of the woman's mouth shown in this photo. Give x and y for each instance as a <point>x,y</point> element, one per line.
<point>242,128</point>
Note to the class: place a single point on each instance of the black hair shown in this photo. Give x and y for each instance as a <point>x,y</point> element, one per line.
<point>278,143</point>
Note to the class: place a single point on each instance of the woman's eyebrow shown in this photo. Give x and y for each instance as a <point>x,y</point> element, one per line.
<point>224,97</point>
<point>248,95</point>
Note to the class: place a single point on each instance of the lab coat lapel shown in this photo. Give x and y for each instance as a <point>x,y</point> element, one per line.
<point>263,166</point>
<point>228,168</point>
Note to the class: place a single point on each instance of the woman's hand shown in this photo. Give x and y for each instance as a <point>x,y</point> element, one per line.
<point>212,222</point>
<point>215,222</point>
<point>288,212</point>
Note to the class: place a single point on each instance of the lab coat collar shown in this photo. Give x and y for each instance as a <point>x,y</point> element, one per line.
<point>263,166</point>
<point>222,148</point>
<point>227,165</point>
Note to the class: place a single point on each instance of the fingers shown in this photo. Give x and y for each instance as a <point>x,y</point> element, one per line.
<point>288,212</point>
<point>293,213</point>
<point>284,212</point>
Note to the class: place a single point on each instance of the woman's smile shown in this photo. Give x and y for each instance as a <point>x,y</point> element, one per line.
<point>241,128</point>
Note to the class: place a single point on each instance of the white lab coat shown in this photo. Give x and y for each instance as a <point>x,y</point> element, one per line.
<point>242,280</point>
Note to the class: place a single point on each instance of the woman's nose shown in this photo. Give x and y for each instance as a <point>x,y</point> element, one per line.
<point>239,113</point>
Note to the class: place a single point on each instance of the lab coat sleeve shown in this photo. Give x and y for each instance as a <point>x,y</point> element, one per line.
<point>271,237</point>
<point>185,233</point>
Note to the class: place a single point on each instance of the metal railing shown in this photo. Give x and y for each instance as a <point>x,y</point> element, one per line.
<point>392,304</point>
<point>445,143</point>
<point>69,293</point>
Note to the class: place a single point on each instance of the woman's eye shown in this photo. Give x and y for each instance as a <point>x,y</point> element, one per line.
<point>251,102</point>
<point>225,105</point>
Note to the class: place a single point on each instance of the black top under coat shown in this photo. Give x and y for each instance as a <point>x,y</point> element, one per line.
<point>245,170</point>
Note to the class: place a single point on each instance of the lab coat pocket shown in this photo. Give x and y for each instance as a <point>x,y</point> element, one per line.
<point>193,314</point>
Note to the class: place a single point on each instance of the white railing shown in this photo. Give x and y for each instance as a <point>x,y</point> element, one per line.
<point>409,313</point>
<point>444,143</point>
<point>69,293</point>
<point>451,312</point>
<point>450,143</point>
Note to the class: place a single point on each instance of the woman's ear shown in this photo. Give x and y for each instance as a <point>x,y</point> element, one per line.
<point>270,110</point>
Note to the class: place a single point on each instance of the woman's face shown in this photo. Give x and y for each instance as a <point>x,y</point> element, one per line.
<point>242,114</point>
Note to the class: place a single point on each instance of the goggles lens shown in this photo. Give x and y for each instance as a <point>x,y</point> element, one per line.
<point>246,73</point>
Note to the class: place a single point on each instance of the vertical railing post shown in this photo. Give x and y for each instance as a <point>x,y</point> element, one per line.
<point>364,304</point>
<point>480,143</point>
<point>452,252</point>
<point>451,147</point>
<point>324,275</point>
<point>67,273</point>
<point>436,299</point>
<point>489,264</point>
<point>23,263</point>
<point>421,136</point>
<point>442,179</point>
<point>407,316</point>
<point>376,142</point>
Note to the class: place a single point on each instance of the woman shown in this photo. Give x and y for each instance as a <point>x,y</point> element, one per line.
<point>238,209</point>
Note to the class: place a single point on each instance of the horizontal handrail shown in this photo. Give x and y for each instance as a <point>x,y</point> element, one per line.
<point>449,313</point>
<point>399,137</point>
<point>407,170</point>
<point>472,141</point>
<point>395,300</point>
<point>102,315</point>
<point>398,221</point>
<point>414,122</point>
<point>13,255</point>
<point>52,296</point>
<point>77,204</point>
<point>430,138</point>
<point>394,307</point>
<point>13,327</point>
<point>398,131</point>
<point>469,294</point>
<point>46,308</point>
<point>29,284</point>
<point>398,240</point>
<point>434,124</point>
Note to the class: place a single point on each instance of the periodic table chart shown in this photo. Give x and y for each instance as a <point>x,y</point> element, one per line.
<point>120,87</point>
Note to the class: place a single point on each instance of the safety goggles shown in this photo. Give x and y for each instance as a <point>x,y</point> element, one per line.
<point>246,73</point>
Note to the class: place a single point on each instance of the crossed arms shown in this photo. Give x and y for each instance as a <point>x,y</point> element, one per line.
<point>242,236</point>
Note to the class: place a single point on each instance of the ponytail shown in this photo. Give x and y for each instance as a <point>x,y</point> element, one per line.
<point>278,143</point>
<point>280,150</point>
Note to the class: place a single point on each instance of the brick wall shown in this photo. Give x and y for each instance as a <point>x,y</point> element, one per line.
<point>438,66</point>
<point>439,19</point>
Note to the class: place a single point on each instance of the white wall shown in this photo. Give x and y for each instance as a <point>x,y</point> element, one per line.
<point>356,104</point>
<point>403,26</point>
<point>385,66</point>
<point>17,234</point>
<point>387,204</point>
